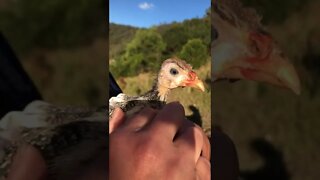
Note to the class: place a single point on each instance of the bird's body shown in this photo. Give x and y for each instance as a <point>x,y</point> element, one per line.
<point>132,104</point>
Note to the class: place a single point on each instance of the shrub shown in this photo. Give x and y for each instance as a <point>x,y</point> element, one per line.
<point>194,52</point>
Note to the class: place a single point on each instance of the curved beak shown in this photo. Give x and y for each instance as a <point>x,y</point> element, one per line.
<point>268,66</point>
<point>194,81</point>
<point>289,78</point>
<point>198,84</point>
<point>276,71</point>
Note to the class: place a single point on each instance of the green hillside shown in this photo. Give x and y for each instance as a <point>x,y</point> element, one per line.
<point>119,36</point>
<point>129,48</point>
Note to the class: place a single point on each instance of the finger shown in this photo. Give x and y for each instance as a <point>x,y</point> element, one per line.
<point>141,119</point>
<point>203,169</point>
<point>190,142</point>
<point>28,164</point>
<point>168,120</point>
<point>116,120</point>
<point>206,149</point>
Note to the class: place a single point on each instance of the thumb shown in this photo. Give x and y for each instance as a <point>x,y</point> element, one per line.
<point>28,164</point>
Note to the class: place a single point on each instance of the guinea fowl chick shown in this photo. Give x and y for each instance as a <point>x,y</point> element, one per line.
<point>173,73</point>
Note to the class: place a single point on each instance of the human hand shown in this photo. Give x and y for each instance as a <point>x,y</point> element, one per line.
<point>157,145</point>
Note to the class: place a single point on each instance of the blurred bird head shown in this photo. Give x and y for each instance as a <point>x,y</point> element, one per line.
<point>242,49</point>
<point>176,73</point>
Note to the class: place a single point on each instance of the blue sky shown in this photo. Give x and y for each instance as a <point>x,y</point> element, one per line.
<point>146,13</point>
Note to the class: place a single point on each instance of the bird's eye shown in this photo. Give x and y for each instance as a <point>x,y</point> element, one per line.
<point>173,71</point>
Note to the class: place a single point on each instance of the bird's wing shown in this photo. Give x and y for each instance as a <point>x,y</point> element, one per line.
<point>59,145</point>
<point>39,120</point>
<point>119,101</point>
<point>133,104</point>
<point>42,114</point>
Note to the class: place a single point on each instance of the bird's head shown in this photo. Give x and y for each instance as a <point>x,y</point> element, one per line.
<point>242,49</point>
<point>176,73</point>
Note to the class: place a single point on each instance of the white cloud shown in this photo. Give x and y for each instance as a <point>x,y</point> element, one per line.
<point>145,6</point>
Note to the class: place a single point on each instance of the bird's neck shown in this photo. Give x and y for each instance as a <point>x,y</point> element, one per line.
<point>159,92</point>
<point>163,93</point>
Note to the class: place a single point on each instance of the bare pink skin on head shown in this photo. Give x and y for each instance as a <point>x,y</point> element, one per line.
<point>176,73</point>
<point>244,50</point>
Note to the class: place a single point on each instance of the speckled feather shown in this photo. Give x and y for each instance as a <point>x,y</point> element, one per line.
<point>236,14</point>
<point>59,144</point>
<point>67,128</point>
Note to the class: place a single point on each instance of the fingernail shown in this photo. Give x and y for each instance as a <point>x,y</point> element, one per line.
<point>116,112</point>
<point>175,102</point>
<point>24,149</point>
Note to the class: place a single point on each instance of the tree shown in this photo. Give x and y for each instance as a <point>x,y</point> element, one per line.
<point>52,24</point>
<point>175,37</point>
<point>194,52</point>
<point>142,54</point>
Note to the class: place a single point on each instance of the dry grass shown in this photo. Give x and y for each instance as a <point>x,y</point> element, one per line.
<point>71,76</point>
